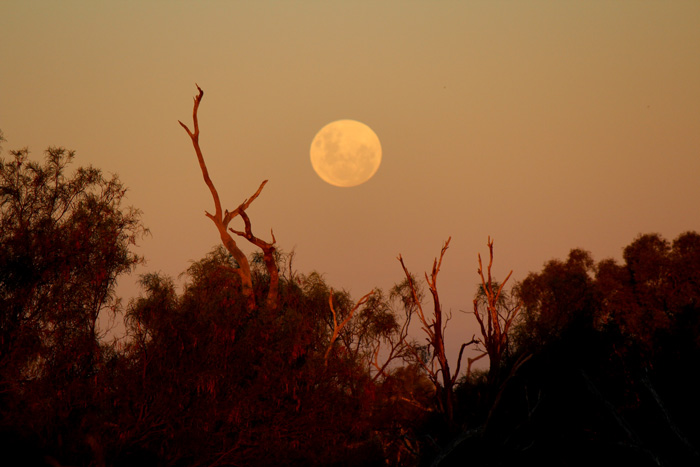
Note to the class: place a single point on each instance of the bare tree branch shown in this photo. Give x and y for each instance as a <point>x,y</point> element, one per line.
<point>397,350</point>
<point>268,250</point>
<point>459,359</point>
<point>194,135</point>
<point>434,329</point>
<point>494,333</point>
<point>222,219</point>
<point>339,327</point>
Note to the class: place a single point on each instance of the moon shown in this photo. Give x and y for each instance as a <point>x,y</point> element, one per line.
<point>346,153</point>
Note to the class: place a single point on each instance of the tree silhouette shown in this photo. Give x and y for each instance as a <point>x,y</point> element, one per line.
<point>619,340</point>
<point>588,361</point>
<point>558,299</point>
<point>434,329</point>
<point>292,384</point>
<point>64,241</point>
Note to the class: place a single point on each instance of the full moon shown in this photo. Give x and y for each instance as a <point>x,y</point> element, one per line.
<point>346,153</point>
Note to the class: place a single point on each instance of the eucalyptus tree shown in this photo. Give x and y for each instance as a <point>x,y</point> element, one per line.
<point>495,311</point>
<point>434,361</point>
<point>223,217</point>
<point>64,241</point>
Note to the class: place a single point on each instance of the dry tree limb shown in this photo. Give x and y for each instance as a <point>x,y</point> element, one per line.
<point>222,219</point>
<point>459,359</point>
<point>397,349</point>
<point>268,250</point>
<point>471,361</point>
<point>435,330</point>
<point>339,327</point>
<point>494,332</point>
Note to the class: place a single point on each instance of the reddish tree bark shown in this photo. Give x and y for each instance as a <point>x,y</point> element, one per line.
<point>494,331</point>
<point>222,218</point>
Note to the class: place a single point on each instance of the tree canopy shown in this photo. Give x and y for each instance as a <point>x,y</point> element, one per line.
<point>64,241</point>
<point>254,363</point>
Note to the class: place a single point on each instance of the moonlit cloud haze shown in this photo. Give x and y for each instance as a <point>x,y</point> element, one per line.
<point>545,125</point>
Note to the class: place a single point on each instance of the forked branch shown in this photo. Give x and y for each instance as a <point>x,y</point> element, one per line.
<point>222,219</point>
<point>494,326</point>
<point>268,250</point>
<point>434,329</point>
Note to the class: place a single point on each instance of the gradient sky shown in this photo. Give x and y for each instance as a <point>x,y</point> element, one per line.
<point>546,125</point>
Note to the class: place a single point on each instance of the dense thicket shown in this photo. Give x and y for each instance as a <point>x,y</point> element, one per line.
<point>64,240</point>
<point>602,369</point>
<point>598,366</point>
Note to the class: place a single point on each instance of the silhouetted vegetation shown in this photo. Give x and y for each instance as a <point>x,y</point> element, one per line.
<point>589,363</point>
<point>601,369</point>
<point>64,240</point>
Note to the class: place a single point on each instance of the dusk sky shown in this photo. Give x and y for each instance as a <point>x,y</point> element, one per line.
<point>547,125</point>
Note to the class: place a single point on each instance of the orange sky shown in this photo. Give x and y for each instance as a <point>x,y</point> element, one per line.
<point>547,125</point>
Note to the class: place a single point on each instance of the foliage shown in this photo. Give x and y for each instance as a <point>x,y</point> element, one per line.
<point>556,300</point>
<point>598,366</point>
<point>64,241</point>
<point>612,346</point>
<point>255,388</point>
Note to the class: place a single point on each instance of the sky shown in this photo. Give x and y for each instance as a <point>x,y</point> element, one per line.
<point>545,125</point>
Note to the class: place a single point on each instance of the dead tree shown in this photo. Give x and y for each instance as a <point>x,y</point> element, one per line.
<point>434,328</point>
<point>496,320</point>
<point>222,219</point>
